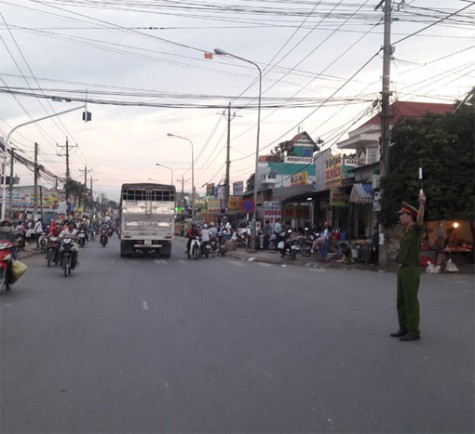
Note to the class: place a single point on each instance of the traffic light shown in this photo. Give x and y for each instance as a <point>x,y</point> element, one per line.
<point>86,116</point>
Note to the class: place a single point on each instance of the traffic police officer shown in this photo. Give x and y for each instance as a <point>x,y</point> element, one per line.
<point>409,273</point>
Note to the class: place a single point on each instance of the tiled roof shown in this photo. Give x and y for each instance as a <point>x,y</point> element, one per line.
<point>408,109</point>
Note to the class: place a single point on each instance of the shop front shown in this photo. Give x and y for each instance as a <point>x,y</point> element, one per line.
<point>448,239</point>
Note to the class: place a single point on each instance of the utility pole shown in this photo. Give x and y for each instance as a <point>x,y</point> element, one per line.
<point>92,196</point>
<point>385,121</point>
<point>10,207</point>
<point>35,188</point>
<point>229,118</point>
<point>68,176</point>
<point>85,183</point>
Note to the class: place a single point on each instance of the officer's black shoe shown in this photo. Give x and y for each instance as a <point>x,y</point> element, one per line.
<point>398,334</point>
<point>410,337</point>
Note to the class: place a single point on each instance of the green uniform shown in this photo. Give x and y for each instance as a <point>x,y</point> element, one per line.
<point>408,278</point>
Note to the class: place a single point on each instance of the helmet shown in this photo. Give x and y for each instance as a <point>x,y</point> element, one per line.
<point>205,226</point>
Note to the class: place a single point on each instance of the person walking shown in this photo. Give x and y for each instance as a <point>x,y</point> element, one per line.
<point>325,246</point>
<point>375,246</point>
<point>267,234</point>
<point>409,272</point>
<point>38,231</point>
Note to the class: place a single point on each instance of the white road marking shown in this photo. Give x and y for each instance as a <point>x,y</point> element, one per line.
<point>265,264</point>
<point>160,262</point>
<point>144,305</point>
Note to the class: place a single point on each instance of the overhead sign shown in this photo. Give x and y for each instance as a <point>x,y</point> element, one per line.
<point>248,206</point>
<point>238,188</point>
<point>210,189</point>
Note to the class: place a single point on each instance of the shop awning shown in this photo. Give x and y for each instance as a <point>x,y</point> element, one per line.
<point>362,193</point>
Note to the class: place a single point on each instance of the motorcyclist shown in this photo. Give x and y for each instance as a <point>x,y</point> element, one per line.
<point>290,236</point>
<point>193,232</point>
<point>213,231</point>
<point>70,231</point>
<point>205,236</point>
<point>7,234</point>
<point>104,232</point>
<point>55,229</point>
<point>83,227</point>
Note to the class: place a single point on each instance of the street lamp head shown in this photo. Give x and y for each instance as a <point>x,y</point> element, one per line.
<point>170,135</point>
<point>220,52</point>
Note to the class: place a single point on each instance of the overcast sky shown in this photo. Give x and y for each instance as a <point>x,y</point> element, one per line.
<point>141,66</point>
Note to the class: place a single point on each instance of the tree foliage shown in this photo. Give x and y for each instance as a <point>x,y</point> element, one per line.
<point>444,147</point>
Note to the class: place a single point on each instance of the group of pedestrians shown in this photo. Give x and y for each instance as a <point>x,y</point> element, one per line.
<point>27,231</point>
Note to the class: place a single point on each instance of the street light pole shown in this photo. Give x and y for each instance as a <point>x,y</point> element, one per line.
<point>220,52</point>
<point>169,168</point>
<point>192,173</point>
<point>5,150</point>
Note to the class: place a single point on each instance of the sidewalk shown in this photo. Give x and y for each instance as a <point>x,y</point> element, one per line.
<point>29,251</point>
<point>273,257</point>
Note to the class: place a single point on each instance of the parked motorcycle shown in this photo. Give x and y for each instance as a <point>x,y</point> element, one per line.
<point>6,263</point>
<point>195,248</point>
<point>67,256</point>
<point>52,251</point>
<point>306,243</point>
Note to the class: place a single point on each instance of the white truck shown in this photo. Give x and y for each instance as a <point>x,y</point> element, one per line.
<point>147,218</point>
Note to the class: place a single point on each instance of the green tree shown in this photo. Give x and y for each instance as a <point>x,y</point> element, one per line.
<point>444,147</point>
<point>279,151</point>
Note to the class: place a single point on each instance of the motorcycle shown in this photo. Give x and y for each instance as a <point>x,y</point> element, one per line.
<point>222,245</point>
<point>306,243</point>
<point>104,238</point>
<point>42,242</point>
<point>82,238</point>
<point>52,251</point>
<point>6,263</point>
<point>195,248</point>
<point>206,248</point>
<point>67,256</point>
<point>288,247</point>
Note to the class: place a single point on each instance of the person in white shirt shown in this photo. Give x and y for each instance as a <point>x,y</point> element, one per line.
<point>38,229</point>
<point>70,231</point>
<point>205,234</point>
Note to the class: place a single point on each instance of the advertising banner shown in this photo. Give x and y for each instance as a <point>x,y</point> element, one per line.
<point>234,203</point>
<point>214,206</point>
<point>210,189</point>
<point>272,211</point>
<point>337,197</point>
<point>238,188</point>
<point>333,176</point>
<point>300,178</point>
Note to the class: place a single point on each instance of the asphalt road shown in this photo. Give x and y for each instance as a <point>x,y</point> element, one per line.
<point>147,345</point>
